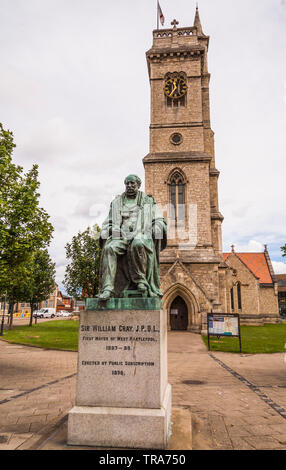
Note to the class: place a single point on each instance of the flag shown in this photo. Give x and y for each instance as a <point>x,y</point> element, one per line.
<point>160,14</point>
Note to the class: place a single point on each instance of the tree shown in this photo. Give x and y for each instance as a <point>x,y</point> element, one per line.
<point>24,226</point>
<point>40,279</point>
<point>32,281</point>
<point>15,288</point>
<point>82,273</point>
<point>283,248</point>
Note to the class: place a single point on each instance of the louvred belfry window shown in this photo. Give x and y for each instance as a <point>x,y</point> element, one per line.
<point>177,197</point>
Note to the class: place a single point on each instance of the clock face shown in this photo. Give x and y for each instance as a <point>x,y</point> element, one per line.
<point>175,88</point>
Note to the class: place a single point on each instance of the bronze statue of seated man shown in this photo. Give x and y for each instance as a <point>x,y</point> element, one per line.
<point>132,237</point>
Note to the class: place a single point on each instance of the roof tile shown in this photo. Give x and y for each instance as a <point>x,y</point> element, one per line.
<point>257,263</point>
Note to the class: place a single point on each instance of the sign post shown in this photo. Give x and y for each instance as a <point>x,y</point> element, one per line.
<point>224,324</point>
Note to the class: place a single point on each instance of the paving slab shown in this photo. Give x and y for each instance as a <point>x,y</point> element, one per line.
<point>213,408</point>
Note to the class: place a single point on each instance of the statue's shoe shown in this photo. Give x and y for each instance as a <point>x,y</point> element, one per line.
<point>105,295</point>
<point>141,287</point>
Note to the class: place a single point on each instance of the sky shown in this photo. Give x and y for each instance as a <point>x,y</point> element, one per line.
<point>74,90</point>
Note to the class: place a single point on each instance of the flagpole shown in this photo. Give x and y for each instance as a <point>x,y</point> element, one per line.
<point>157,14</point>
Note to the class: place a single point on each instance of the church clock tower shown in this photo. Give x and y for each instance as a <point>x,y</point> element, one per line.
<point>180,173</point>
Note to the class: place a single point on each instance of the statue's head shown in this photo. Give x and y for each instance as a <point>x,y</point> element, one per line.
<point>132,185</point>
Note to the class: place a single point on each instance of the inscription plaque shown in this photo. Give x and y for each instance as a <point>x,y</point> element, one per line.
<point>118,353</point>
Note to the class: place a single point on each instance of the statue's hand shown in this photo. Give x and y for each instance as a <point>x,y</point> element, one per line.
<point>116,232</point>
<point>157,233</point>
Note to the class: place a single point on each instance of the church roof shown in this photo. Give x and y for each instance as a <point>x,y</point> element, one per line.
<point>257,263</point>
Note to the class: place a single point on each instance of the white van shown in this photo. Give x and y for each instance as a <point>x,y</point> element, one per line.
<point>45,313</point>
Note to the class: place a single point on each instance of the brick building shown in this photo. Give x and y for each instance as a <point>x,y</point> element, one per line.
<point>51,302</point>
<point>180,173</point>
<point>24,308</point>
<point>254,291</point>
<point>64,302</point>
<point>281,281</point>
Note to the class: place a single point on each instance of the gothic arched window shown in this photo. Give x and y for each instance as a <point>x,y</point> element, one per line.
<point>177,196</point>
<point>232,299</point>
<point>239,295</point>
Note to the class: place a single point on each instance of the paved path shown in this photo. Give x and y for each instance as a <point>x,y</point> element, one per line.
<point>227,413</point>
<point>233,401</point>
<point>36,388</point>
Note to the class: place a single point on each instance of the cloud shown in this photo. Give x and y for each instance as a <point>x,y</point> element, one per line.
<point>13,90</point>
<point>252,246</point>
<point>279,267</point>
<point>82,208</point>
<point>240,211</point>
<point>49,141</point>
<point>59,223</point>
<point>81,109</point>
<point>62,262</point>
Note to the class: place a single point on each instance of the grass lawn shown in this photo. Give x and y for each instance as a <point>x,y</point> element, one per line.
<point>57,334</point>
<point>63,334</point>
<point>254,340</point>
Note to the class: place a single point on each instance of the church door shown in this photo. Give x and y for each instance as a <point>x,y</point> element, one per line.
<point>179,314</point>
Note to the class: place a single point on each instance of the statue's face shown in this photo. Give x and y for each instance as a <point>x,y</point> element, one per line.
<point>132,187</point>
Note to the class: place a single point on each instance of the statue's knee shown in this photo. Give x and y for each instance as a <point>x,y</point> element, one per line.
<point>137,244</point>
<point>108,249</point>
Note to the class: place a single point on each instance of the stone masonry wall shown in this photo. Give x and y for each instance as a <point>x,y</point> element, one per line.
<point>250,301</point>
<point>268,301</point>
<point>197,190</point>
<point>192,139</point>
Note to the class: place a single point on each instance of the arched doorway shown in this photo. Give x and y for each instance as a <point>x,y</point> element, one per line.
<point>178,314</point>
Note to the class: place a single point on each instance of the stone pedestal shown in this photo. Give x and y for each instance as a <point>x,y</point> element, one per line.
<point>123,398</point>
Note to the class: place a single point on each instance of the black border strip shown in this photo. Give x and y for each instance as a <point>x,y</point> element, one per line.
<point>279,409</point>
<point>36,388</point>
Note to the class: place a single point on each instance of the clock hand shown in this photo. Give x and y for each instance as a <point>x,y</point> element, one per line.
<point>174,88</point>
